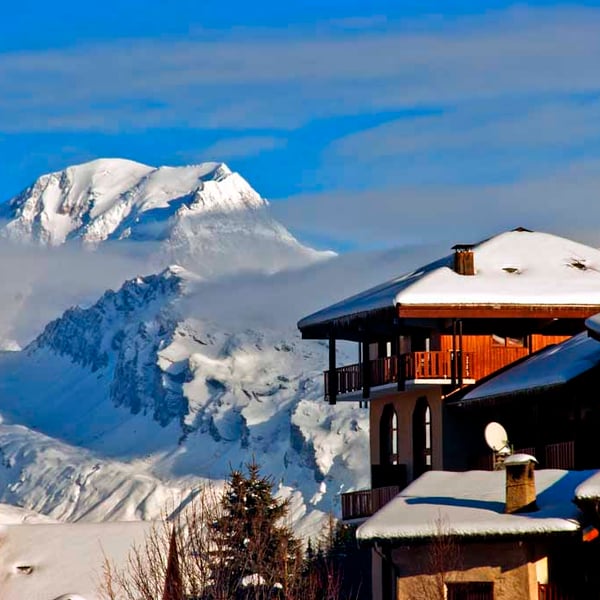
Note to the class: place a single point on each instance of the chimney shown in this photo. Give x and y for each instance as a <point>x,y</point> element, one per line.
<point>464,260</point>
<point>520,483</point>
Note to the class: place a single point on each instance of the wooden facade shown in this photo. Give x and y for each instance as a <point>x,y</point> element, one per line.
<point>454,360</point>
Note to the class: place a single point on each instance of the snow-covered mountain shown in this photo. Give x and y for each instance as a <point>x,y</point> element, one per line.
<point>204,216</point>
<point>119,409</point>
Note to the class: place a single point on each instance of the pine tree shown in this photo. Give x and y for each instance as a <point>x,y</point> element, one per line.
<point>257,549</point>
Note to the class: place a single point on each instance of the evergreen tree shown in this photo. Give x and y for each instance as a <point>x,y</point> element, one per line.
<point>260,554</point>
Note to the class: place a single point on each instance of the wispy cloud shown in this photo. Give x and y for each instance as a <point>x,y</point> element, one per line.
<point>240,147</point>
<point>286,80</point>
<point>473,128</point>
<point>512,99</point>
<point>565,202</point>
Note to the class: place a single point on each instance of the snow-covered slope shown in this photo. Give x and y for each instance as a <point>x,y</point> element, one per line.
<point>204,216</point>
<point>62,561</point>
<point>117,410</point>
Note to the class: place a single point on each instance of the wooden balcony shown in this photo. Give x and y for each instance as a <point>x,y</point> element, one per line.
<point>560,456</point>
<point>436,365</point>
<point>551,456</point>
<point>415,366</point>
<point>364,503</point>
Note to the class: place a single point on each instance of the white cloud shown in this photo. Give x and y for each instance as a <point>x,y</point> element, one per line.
<point>38,284</point>
<point>284,81</point>
<point>473,128</point>
<point>239,147</point>
<point>565,202</point>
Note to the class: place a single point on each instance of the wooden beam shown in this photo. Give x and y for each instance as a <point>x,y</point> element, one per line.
<point>333,380</point>
<point>366,371</point>
<point>496,311</point>
<point>459,360</point>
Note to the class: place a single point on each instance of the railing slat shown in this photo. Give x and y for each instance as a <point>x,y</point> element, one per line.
<point>560,456</point>
<point>384,371</point>
<point>364,503</point>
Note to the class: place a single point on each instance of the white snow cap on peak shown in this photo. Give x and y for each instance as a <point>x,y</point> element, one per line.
<point>113,198</point>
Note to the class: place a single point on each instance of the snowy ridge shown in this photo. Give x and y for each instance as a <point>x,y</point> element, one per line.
<point>119,409</point>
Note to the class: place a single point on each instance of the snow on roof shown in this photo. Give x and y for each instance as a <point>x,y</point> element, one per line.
<point>520,459</point>
<point>589,489</point>
<point>554,365</point>
<point>514,267</point>
<point>472,504</point>
<point>62,560</point>
<point>593,325</point>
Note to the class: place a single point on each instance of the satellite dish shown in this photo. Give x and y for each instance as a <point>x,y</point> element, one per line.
<point>496,437</point>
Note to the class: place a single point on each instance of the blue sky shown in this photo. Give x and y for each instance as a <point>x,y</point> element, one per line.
<point>367,124</point>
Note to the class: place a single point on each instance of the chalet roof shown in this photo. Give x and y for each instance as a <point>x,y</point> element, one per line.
<point>589,489</point>
<point>471,503</point>
<point>517,267</point>
<point>552,366</point>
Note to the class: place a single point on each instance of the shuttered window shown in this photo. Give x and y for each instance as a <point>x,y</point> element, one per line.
<point>472,590</point>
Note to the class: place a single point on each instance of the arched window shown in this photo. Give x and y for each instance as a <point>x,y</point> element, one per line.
<point>388,436</point>
<point>421,437</point>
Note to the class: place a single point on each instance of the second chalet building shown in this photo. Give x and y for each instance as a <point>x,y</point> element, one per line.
<point>424,336</point>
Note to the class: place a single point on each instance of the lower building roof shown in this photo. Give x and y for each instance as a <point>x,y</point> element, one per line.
<point>471,504</point>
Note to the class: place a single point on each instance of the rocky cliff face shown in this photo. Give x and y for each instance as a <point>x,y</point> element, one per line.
<point>139,384</point>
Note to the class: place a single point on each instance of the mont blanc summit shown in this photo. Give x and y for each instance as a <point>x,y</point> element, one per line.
<point>203,215</point>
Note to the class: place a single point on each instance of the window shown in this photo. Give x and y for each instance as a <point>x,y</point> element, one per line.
<point>388,436</point>
<point>473,590</point>
<point>508,342</point>
<point>422,438</point>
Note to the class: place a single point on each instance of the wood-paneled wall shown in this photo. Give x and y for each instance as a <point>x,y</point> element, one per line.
<point>489,357</point>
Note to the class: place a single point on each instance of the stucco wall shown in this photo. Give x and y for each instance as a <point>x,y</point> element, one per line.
<point>404,404</point>
<point>510,566</point>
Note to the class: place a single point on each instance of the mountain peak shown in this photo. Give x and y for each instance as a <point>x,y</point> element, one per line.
<point>113,198</point>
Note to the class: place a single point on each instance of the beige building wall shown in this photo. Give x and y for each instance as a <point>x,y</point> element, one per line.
<point>404,404</point>
<point>510,566</point>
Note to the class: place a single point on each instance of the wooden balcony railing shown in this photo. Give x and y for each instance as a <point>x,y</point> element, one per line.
<point>364,503</point>
<point>413,366</point>
<point>552,591</point>
<point>560,456</point>
<point>436,365</point>
<point>554,456</point>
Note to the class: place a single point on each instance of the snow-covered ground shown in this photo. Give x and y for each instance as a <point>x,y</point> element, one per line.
<point>62,561</point>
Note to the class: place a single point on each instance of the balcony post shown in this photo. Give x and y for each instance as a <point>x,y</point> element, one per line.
<point>401,373</point>
<point>453,361</point>
<point>333,376</point>
<point>459,361</point>
<point>366,370</point>
<point>399,363</point>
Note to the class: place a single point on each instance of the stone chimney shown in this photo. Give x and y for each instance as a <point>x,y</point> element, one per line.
<point>520,483</point>
<point>464,259</point>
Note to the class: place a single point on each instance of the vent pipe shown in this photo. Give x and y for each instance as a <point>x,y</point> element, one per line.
<point>520,483</point>
<point>464,259</point>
